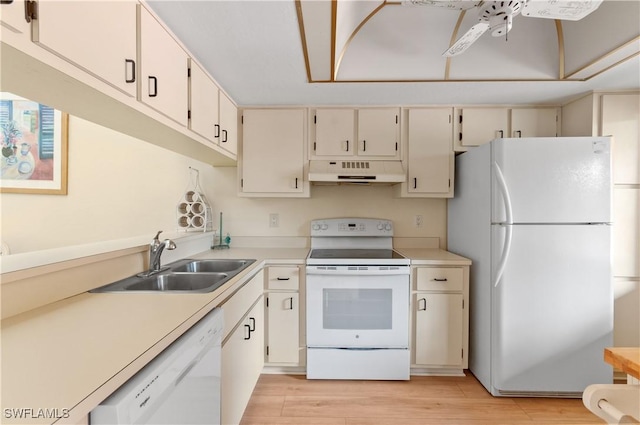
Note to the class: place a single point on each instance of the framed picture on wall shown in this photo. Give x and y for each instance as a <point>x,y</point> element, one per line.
<point>34,147</point>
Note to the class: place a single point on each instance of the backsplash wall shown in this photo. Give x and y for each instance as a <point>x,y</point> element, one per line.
<point>121,187</point>
<point>118,187</point>
<point>250,216</point>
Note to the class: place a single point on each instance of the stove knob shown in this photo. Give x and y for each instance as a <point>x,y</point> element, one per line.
<point>324,226</point>
<point>380,226</point>
<point>387,227</point>
<point>316,227</point>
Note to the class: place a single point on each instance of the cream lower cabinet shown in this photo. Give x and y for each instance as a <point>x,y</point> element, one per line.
<point>283,314</point>
<point>441,320</point>
<point>242,348</point>
<point>439,329</point>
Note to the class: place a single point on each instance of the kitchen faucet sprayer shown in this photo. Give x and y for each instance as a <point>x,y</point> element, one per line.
<point>155,252</point>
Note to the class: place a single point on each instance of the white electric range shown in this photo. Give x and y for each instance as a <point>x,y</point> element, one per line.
<point>357,300</point>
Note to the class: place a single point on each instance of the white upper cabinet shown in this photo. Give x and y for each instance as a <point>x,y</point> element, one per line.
<point>430,161</point>
<point>476,126</point>
<point>273,160</point>
<point>212,114</point>
<point>84,33</point>
<point>346,132</point>
<point>163,70</point>
<point>334,132</point>
<point>12,17</point>
<point>379,132</point>
<point>620,118</point>
<point>228,136</point>
<point>534,122</point>
<point>203,104</point>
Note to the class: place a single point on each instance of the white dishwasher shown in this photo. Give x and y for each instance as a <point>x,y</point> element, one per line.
<point>180,386</point>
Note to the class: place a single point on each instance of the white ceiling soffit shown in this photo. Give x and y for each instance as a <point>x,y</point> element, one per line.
<point>393,41</point>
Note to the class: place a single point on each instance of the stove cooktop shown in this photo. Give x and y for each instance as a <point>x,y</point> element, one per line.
<point>356,256</point>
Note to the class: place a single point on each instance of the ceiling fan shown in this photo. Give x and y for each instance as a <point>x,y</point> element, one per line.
<point>497,16</point>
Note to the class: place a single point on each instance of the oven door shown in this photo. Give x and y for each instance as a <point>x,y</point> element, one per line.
<point>358,306</point>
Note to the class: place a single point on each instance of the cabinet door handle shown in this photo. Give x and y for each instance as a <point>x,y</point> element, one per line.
<point>282,278</point>
<point>347,146</point>
<point>424,308</point>
<point>252,323</point>
<point>153,93</point>
<point>518,132</point>
<point>224,136</point>
<point>248,336</point>
<point>296,182</point>
<point>217,129</point>
<point>133,71</point>
<point>438,279</point>
<point>415,182</point>
<point>364,146</point>
<point>501,133</point>
<point>290,303</point>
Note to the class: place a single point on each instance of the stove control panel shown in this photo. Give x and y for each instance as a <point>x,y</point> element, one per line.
<point>352,227</point>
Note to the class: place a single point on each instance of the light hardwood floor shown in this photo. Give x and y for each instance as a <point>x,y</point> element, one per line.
<point>292,399</point>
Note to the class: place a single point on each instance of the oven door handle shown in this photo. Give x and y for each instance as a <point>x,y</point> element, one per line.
<point>360,271</point>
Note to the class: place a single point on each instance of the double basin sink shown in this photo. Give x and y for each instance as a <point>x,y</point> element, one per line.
<point>186,275</point>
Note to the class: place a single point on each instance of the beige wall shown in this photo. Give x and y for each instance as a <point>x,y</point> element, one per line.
<point>250,216</point>
<point>119,187</point>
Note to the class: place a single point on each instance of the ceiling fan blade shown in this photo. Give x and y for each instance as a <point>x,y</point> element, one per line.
<point>448,4</point>
<point>467,39</point>
<point>570,10</point>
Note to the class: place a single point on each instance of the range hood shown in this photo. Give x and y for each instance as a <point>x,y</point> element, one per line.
<point>361,172</point>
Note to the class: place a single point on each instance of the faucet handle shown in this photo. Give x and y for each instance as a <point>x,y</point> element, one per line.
<point>157,238</point>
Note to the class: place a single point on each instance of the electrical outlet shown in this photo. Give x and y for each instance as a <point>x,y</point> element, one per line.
<point>274,220</point>
<point>418,220</point>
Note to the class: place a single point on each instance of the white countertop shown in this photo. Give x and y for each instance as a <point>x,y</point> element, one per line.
<point>433,256</point>
<point>73,353</point>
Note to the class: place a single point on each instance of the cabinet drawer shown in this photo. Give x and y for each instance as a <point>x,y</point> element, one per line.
<point>439,278</point>
<point>283,278</point>
<point>237,306</point>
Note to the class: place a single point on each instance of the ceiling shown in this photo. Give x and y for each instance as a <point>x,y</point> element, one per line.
<point>280,52</point>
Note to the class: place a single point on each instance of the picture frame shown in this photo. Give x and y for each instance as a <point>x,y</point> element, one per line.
<point>34,140</point>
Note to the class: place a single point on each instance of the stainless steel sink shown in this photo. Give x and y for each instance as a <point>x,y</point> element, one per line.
<point>187,275</point>
<point>179,282</point>
<point>211,266</point>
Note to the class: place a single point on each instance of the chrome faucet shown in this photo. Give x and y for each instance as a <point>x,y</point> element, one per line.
<point>155,251</point>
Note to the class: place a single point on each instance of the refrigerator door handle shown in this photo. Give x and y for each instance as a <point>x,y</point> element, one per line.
<point>504,190</point>
<point>505,253</point>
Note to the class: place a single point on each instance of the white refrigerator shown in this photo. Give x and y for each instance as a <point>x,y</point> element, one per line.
<point>534,216</point>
